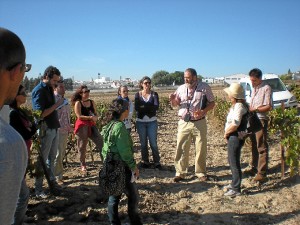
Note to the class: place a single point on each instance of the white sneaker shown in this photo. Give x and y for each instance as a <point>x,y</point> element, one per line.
<point>227,187</point>
<point>41,194</point>
<point>231,193</point>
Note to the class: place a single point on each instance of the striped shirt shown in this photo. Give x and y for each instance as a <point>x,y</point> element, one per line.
<point>261,96</point>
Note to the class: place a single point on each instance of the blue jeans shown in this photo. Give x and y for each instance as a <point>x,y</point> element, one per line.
<point>21,204</point>
<point>148,130</point>
<point>49,145</point>
<point>234,147</point>
<point>133,199</point>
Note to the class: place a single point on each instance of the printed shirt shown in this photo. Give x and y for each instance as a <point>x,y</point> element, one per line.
<point>63,116</point>
<point>261,96</point>
<point>198,93</point>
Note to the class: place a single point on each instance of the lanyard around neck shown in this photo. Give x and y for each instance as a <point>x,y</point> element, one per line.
<point>187,97</point>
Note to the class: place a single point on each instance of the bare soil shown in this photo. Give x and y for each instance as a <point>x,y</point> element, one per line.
<point>277,201</point>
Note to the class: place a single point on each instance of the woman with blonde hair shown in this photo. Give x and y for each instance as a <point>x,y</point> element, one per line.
<point>85,125</point>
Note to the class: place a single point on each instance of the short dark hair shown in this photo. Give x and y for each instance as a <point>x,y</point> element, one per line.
<point>50,71</point>
<point>116,108</point>
<point>12,50</point>
<point>255,73</point>
<point>192,71</point>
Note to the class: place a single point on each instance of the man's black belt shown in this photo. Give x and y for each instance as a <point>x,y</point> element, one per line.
<point>195,120</point>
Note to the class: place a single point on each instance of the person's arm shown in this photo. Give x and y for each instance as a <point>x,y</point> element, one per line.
<point>131,108</point>
<point>51,109</point>
<point>38,103</point>
<point>124,146</point>
<point>174,99</point>
<point>95,116</point>
<point>236,121</point>
<point>16,122</point>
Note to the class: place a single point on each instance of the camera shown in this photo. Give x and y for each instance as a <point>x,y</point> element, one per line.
<point>187,117</point>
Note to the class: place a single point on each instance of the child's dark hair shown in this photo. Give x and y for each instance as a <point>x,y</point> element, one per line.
<point>116,108</point>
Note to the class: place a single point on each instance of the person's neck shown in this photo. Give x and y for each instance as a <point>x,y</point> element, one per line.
<point>85,100</point>
<point>146,91</point>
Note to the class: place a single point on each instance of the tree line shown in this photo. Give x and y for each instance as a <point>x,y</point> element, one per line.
<point>164,78</point>
<point>29,84</point>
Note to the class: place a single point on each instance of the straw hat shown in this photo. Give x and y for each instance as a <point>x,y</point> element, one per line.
<point>235,90</point>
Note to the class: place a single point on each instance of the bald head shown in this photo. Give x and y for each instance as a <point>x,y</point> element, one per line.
<point>12,50</point>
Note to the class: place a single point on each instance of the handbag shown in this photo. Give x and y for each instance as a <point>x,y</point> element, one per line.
<point>112,174</point>
<point>250,124</point>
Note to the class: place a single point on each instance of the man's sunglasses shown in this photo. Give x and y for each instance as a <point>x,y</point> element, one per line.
<point>23,65</point>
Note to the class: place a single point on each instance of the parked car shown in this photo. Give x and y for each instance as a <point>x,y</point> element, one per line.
<point>280,92</point>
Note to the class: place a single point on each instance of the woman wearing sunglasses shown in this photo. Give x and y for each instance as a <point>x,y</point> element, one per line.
<point>85,125</point>
<point>146,104</point>
<point>19,119</point>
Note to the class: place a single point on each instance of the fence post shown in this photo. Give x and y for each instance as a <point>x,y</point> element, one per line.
<point>281,147</point>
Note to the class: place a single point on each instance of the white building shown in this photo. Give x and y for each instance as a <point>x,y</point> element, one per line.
<point>102,80</point>
<point>234,78</point>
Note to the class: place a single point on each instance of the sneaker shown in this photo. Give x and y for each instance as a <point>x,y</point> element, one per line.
<point>231,193</point>
<point>203,178</point>
<point>227,187</point>
<point>41,194</point>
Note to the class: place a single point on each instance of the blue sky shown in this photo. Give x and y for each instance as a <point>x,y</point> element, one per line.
<point>133,38</point>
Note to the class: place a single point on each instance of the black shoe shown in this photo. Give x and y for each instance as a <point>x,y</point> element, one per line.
<point>177,179</point>
<point>144,165</point>
<point>159,167</point>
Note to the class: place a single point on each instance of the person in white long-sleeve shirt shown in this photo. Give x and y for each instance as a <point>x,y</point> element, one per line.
<point>123,94</point>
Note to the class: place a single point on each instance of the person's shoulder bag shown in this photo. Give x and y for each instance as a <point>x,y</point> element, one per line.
<point>112,174</point>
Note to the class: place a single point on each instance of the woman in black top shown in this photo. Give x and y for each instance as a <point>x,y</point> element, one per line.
<point>19,119</point>
<point>85,125</point>
<point>146,104</point>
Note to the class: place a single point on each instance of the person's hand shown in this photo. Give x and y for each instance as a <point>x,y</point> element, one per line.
<point>136,173</point>
<point>251,109</point>
<point>59,102</point>
<point>198,113</point>
<point>174,100</point>
<point>94,118</point>
<point>172,97</point>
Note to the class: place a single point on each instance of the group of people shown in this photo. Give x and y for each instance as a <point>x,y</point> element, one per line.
<point>194,99</point>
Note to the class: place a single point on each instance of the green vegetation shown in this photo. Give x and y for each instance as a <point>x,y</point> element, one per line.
<point>288,123</point>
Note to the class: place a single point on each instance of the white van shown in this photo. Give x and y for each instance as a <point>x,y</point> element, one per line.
<point>280,92</point>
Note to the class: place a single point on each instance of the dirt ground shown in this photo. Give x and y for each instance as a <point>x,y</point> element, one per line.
<point>277,201</point>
